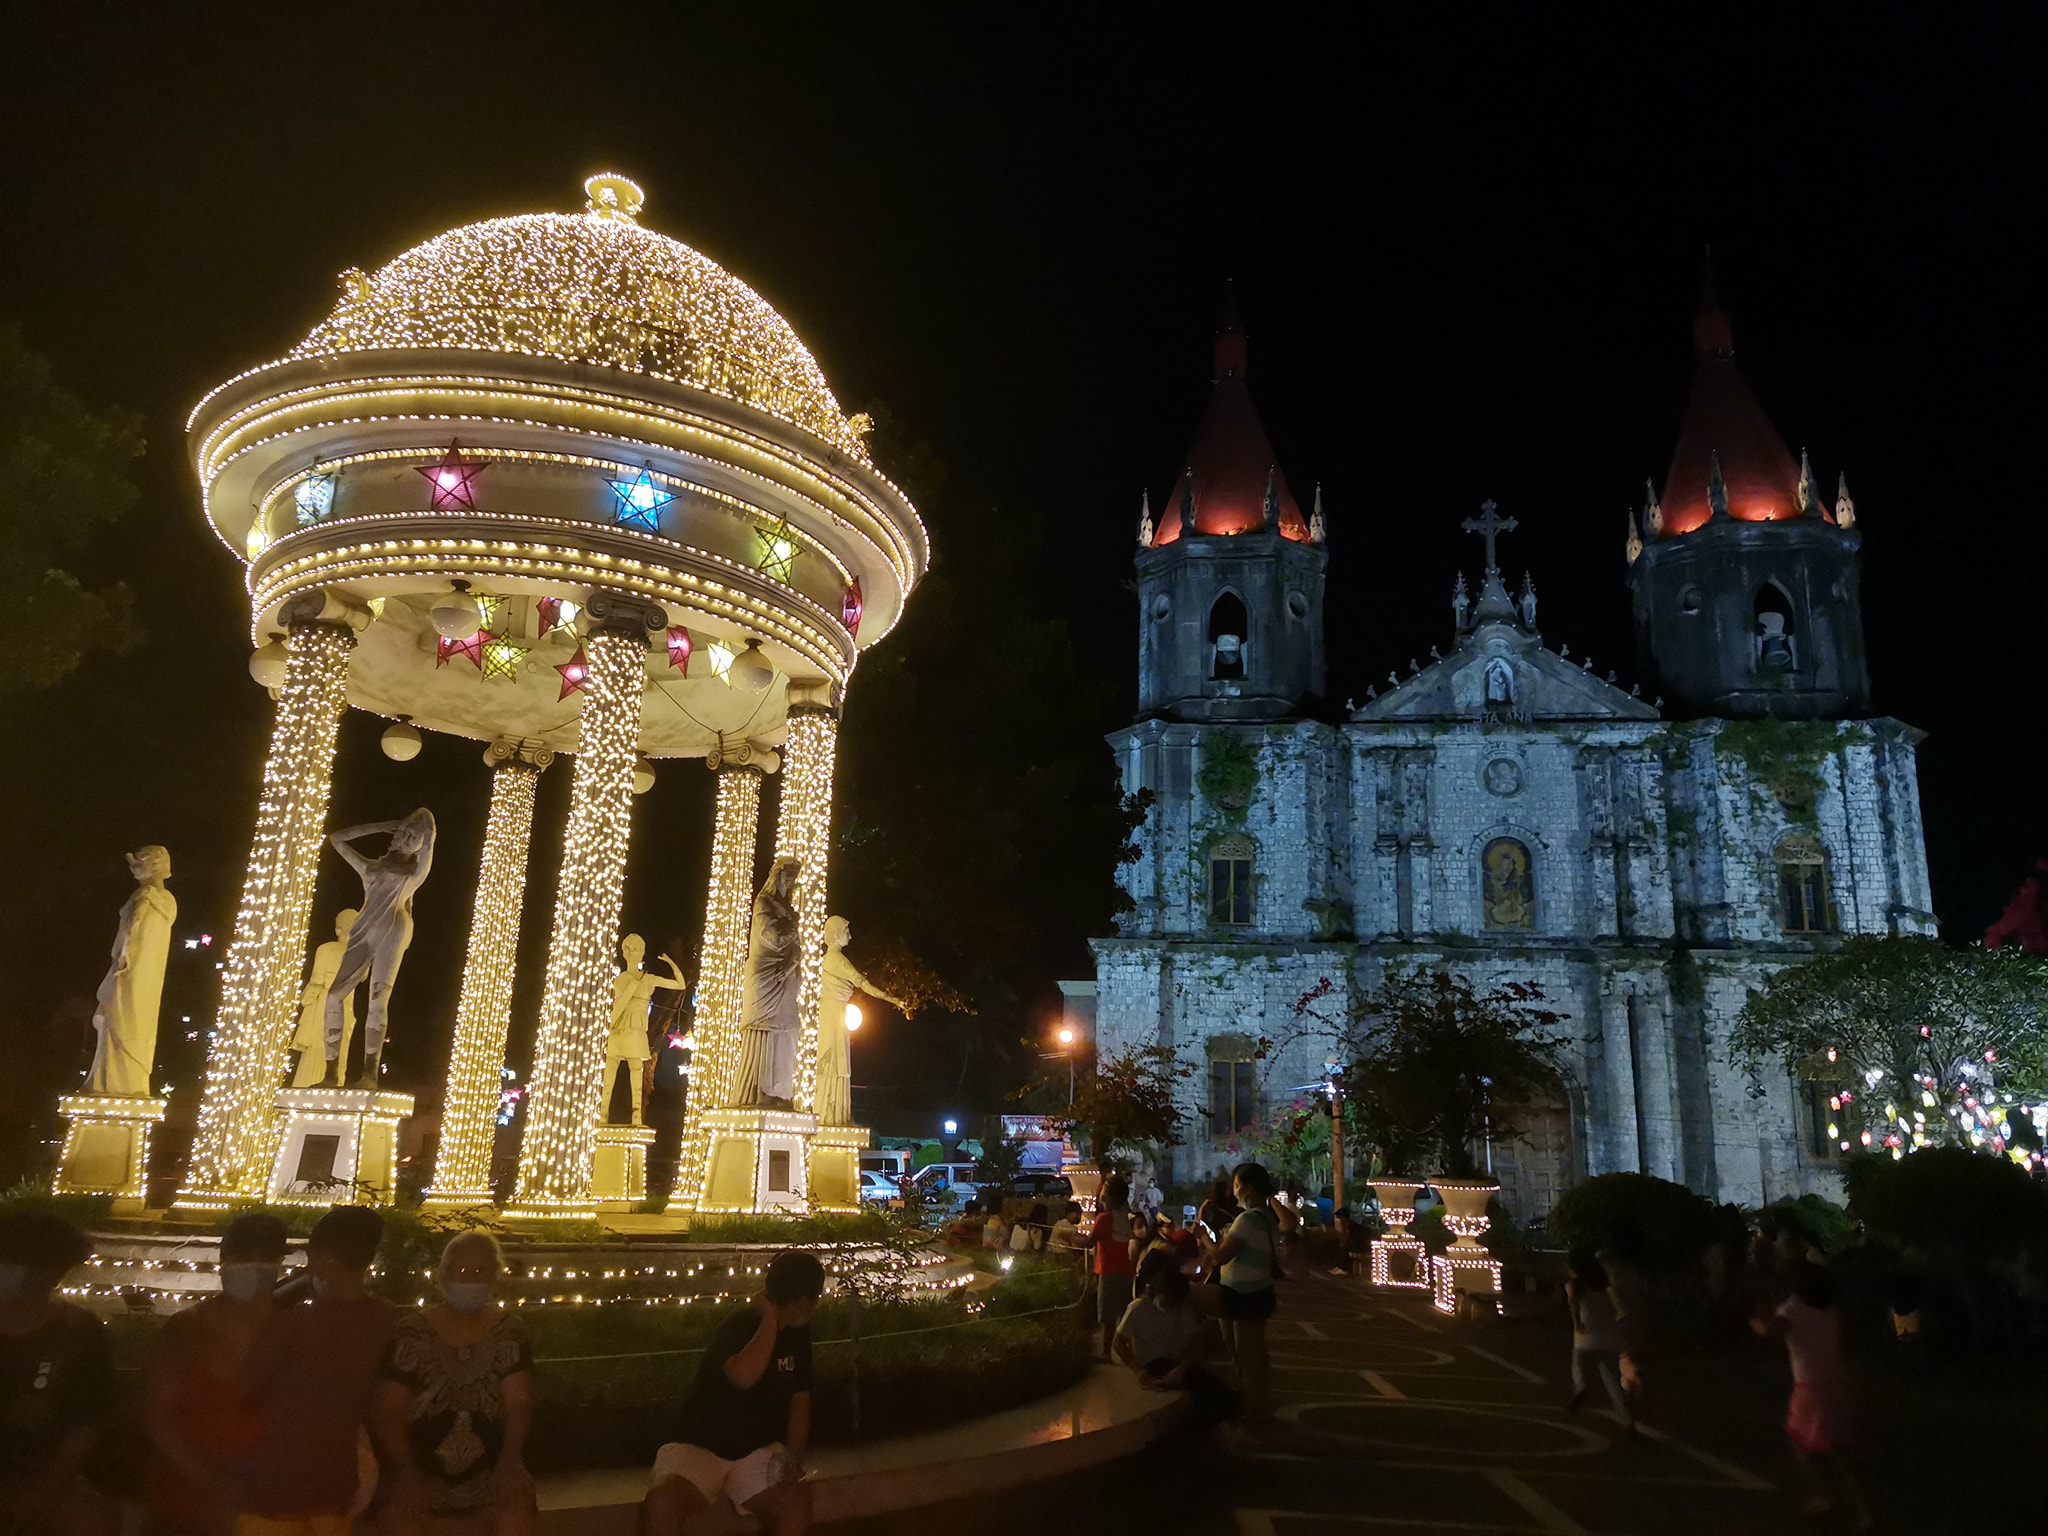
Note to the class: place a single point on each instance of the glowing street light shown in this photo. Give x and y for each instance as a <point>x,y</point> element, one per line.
<point>852,1017</point>
<point>952,1127</point>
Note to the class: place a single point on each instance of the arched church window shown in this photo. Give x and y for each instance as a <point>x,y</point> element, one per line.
<point>1772,634</point>
<point>1803,905</point>
<point>1230,881</point>
<point>1507,883</point>
<point>1229,627</point>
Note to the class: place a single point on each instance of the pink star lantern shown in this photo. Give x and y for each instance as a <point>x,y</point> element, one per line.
<point>445,650</point>
<point>453,481</point>
<point>575,673</point>
<point>679,648</point>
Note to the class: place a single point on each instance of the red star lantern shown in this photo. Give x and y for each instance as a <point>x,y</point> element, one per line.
<point>679,648</point>
<point>445,649</point>
<point>575,674</point>
<point>851,609</point>
<point>453,481</point>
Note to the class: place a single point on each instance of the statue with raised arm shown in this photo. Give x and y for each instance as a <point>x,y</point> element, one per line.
<point>309,1043</point>
<point>633,991</point>
<point>125,1011</point>
<point>838,980</point>
<point>383,929</point>
<point>769,1018</point>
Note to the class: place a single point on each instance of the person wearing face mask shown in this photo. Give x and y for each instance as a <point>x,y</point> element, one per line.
<point>55,1384</point>
<point>198,1420</point>
<point>309,1378</point>
<point>453,1402</point>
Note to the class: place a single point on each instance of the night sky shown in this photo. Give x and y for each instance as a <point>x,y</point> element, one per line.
<point>1468,261</point>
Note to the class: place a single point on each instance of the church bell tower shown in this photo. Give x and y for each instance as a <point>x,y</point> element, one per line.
<point>1744,578</point>
<point>1230,573</point>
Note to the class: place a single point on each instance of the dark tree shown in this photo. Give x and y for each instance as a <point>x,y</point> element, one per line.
<point>64,477</point>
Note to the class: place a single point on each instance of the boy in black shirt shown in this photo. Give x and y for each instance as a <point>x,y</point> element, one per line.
<point>747,1420</point>
<point>55,1384</point>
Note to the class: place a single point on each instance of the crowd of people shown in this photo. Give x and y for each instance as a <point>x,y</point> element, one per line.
<point>261,1399</point>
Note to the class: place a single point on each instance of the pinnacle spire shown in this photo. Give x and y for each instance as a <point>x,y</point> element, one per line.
<point>1634,543</point>
<point>1804,496</point>
<point>1845,509</point>
<point>1317,531</point>
<point>1653,514</point>
<point>1145,529</point>
<point>1269,515</point>
<point>1717,488</point>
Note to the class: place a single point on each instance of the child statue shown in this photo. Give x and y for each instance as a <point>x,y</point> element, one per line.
<point>769,1020</point>
<point>378,941</point>
<point>632,992</point>
<point>838,980</point>
<point>126,1009</point>
<point>310,1043</point>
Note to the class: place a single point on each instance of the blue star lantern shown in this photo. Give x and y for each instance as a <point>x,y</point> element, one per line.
<point>640,502</point>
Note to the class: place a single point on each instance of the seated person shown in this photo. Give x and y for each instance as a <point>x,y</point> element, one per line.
<point>309,1377</point>
<point>1164,1340</point>
<point>1176,1238</point>
<point>966,1232</point>
<point>995,1232</point>
<point>55,1384</point>
<point>1066,1232</point>
<point>198,1422</point>
<point>1028,1234</point>
<point>748,1415</point>
<point>453,1403</point>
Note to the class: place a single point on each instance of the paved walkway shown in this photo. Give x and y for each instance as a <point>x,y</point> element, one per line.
<point>1395,1418</point>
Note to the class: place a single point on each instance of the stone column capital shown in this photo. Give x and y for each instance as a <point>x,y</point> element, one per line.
<point>623,613</point>
<point>737,752</point>
<point>516,752</point>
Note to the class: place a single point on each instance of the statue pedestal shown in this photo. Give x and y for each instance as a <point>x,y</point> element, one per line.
<point>835,1167</point>
<point>757,1160</point>
<point>340,1146</point>
<point>106,1150</point>
<point>618,1170</point>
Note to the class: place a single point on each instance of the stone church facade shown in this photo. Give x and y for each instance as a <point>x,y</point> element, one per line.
<point>1503,813</point>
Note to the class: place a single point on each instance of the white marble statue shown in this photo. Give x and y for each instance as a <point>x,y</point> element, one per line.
<point>126,1009</point>
<point>383,928</point>
<point>310,1041</point>
<point>769,1018</point>
<point>838,980</point>
<point>632,993</point>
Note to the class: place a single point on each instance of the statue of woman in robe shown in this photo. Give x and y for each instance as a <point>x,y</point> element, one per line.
<point>769,1019</point>
<point>838,980</point>
<point>126,1009</point>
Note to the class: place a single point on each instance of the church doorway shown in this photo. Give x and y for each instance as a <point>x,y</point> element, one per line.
<point>1535,1165</point>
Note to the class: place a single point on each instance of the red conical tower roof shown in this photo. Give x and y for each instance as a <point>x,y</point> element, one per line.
<point>1231,465</point>
<point>1724,421</point>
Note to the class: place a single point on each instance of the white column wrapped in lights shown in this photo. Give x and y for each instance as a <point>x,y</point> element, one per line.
<point>469,1115</point>
<point>556,1148</point>
<point>235,1143</point>
<point>803,831</point>
<point>722,965</point>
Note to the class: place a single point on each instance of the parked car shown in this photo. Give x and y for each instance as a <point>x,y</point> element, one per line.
<point>879,1188</point>
<point>1049,1187</point>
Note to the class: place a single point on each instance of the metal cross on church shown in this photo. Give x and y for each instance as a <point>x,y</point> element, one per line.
<point>1491,524</point>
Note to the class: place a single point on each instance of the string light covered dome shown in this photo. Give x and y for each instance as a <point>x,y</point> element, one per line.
<point>594,287</point>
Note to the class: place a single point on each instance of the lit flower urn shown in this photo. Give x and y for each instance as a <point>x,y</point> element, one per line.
<point>1398,1260</point>
<point>1465,1268</point>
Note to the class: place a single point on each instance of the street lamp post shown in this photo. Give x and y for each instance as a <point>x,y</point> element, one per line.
<point>1067,1049</point>
<point>1335,1069</point>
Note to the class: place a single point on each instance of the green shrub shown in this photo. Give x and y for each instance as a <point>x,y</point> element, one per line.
<point>1816,1217</point>
<point>1643,1219</point>
<point>1947,1199</point>
<point>36,1195</point>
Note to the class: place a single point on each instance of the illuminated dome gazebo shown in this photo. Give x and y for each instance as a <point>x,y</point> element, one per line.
<point>552,483</point>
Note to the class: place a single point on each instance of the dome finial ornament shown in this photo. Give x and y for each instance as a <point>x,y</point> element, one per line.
<point>612,196</point>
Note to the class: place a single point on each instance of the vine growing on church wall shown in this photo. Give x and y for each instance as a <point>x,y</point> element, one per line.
<point>1784,759</point>
<point>1228,775</point>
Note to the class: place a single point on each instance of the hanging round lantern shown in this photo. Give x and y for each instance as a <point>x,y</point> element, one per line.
<point>401,740</point>
<point>457,615</point>
<point>643,775</point>
<point>751,669</point>
<point>267,663</point>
